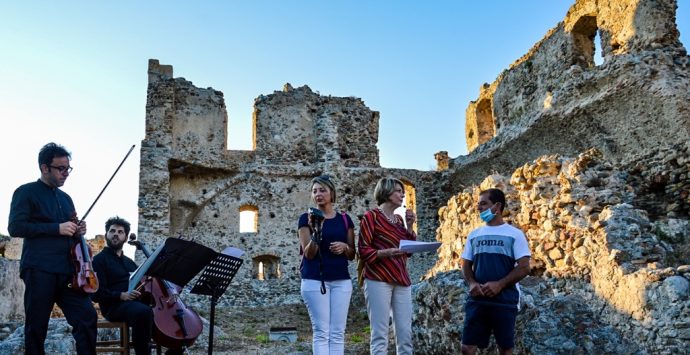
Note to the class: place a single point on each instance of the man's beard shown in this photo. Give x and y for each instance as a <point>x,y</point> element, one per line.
<point>116,245</point>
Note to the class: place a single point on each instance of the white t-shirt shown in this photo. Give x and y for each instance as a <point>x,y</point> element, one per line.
<point>493,252</point>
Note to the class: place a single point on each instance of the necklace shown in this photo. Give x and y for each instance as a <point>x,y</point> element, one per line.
<point>391,220</point>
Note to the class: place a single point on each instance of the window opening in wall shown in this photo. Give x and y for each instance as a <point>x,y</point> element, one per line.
<point>266,267</point>
<point>486,128</point>
<point>249,221</point>
<point>241,131</point>
<point>584,32</point>
<point>409,201</point>
<point>598,53</point>
<point>260,275</point>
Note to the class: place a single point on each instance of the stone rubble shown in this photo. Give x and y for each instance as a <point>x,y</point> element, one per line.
<point>594,158</point>
<point>589,244</point>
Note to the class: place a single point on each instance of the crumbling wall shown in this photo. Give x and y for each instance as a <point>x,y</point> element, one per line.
<point>298,126</point>
<point>589,243</point>
<point>191,186</point>
<point>557,100</point>
<point>609,229</point>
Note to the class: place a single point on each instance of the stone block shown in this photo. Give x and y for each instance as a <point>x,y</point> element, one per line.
<point>13,248</point>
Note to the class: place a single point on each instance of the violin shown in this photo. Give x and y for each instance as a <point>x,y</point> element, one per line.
<point>84,278</point>
<point>175,325</point>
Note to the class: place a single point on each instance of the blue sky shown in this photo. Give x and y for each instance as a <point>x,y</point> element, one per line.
<point>75,73</point>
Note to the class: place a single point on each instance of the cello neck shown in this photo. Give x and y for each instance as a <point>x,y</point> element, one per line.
<point>144,250</point>
<point>141,246</point>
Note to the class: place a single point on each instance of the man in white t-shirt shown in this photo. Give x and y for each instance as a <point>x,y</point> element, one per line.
<point>495,258</point>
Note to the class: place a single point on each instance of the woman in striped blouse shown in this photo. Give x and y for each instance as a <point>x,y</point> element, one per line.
<point>386,282</point>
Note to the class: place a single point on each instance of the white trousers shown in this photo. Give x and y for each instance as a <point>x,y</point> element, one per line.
<point>328,314</point>
<point>383,301</point>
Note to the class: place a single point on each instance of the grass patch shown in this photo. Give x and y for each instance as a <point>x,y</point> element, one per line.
<point>262,338</point>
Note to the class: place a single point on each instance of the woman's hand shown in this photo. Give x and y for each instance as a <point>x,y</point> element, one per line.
<point>410,218</point>
<point>338,248</point>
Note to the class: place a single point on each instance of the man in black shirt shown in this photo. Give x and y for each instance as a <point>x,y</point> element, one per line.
<point>41,214</point>
<point>117,304</point>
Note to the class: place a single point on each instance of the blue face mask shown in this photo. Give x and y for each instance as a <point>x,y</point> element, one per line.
<point>487,215</point>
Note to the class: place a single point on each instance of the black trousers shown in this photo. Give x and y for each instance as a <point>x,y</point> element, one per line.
<point>43,290</point>
<point>139,316</point>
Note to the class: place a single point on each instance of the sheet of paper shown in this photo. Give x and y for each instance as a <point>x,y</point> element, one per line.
<point>412,246</point>
<point>232,251</point>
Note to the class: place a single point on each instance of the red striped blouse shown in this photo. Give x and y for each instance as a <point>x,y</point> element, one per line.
<point>376,232</point>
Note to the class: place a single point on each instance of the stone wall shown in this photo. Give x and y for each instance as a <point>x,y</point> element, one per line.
<point>608,227</point>
<point>12,286</point>
<point>192,186</point>
<point>557,100</point>
<point>11,290</point>
<point>588,242</point>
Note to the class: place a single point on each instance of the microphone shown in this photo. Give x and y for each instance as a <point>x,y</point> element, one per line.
<point>316,217</point>
<point>316,213</point>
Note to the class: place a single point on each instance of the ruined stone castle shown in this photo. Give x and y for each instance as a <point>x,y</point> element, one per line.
<point>595,160</point>
<point>191,186</point>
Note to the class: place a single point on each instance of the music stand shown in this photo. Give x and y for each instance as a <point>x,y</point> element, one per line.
<point>176,260</point>
<point>213,282</point>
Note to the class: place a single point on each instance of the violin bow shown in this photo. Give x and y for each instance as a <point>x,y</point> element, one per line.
<point>106,184</point>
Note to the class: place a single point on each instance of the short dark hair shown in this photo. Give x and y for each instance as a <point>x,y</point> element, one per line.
<point>495,196</point>
<point>119,221</point>
<point>50,151</point>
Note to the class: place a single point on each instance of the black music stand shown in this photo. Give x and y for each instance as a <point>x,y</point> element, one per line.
<point>177,261</point>
<point>214,281</point>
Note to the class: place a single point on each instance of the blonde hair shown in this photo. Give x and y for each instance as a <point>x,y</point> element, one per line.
<point>385,187</point>
<point>325,180</point>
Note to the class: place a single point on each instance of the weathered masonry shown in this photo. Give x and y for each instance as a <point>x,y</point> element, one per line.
<point>192,186</point>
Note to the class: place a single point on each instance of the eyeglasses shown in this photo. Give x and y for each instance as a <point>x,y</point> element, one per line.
<point>62,169</point>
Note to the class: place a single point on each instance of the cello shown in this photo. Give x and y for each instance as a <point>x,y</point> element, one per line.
<point>175,325</point>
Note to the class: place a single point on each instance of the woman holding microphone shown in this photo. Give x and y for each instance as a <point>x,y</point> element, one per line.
<point>327,243</point>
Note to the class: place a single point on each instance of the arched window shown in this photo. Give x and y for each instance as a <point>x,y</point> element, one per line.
<point>260,274</point>
<point>585,37</point>
<point>249,219</point>
<point>266,267</point>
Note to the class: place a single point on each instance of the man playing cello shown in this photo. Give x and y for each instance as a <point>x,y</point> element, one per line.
<point>116,302</point>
